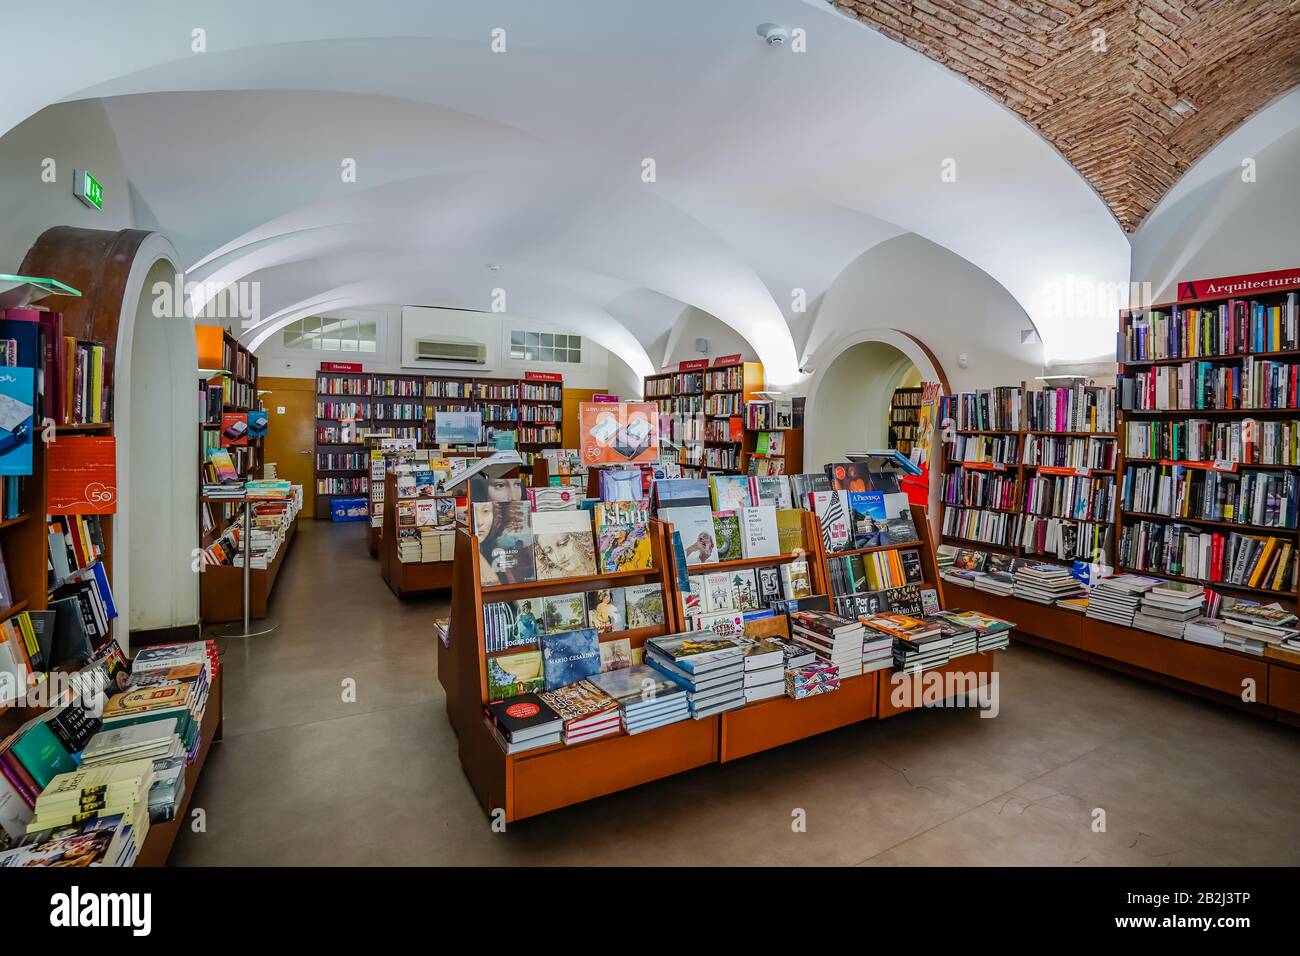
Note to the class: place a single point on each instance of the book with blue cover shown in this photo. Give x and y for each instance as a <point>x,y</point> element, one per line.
<point>570,656</point>
<point>17,419</point>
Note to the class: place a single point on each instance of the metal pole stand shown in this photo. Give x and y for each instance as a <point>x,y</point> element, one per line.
<point>267,624</point>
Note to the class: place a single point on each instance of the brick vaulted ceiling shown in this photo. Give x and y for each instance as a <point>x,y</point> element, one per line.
<point>1100,79</point>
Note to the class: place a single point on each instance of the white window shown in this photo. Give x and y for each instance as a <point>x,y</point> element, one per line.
<point>545,347</point>
<point>325,334</point>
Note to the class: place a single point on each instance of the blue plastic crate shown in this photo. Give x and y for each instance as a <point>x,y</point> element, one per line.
<point>349,509</point>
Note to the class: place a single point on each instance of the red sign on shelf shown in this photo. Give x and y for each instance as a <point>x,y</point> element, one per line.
<point>1255,282</point>
<point>82,475</point>
<point>722,360</point>
<point>983,465</point>
<point>692,365</point>
<point>340,366</point>
<point>604,397</point>
<point>1203,465</point>
<point>543,377</point>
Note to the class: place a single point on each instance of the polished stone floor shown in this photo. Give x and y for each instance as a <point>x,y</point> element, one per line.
<point>305,778</point>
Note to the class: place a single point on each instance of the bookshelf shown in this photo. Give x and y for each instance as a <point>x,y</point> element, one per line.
<point>545,779</point>
<point>728,386</point>
<point>1014,459</point>
<point>773,444</point>
<point>402,405</point>
<point>680,398</point>
<point>1210,405</point>
<point>904,415</point>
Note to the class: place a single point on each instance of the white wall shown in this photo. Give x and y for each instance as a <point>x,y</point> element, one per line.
<point>915,286</point>
<point>493,329</point>
<point>1225,226</point>
<point>679,342</point>
<point>73,135</point>
<point>853,411</point>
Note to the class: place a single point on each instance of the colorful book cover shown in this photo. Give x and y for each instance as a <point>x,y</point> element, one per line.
<point>483,488</point>
<point>773,490</point>
<point>745,587</point>
<point>725,624</point>
<point>789,530</point>
<point>867,510</point>
<point>563,545</point>
<point>625,547</point>
<point>578,701</point>
<point>569,656</point>
<point>564,612</point>
<point>795,581</point>
<point>832,509</point>
<point>726,532</point>
<point>607,610</point>
<point>695,525</point>
<point>730,492</point>
<point>645,605</point>
<point>509,675</point>
<point>615,655</point>
<point>17,419</point>
<point>505,542</point>
<point>682,493</point>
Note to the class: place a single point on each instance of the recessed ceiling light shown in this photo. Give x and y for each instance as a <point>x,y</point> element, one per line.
<point>1183,107</point>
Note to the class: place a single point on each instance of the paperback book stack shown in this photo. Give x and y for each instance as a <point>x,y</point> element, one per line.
<point>965,639</point>
<point>224,490</point>
<point>811,680</point>
<point>409,548</point>
<point>836,640</point>
<point>998,576</point>
<point>106,807</point>
<point>587,711</point>
<point>524,722</point>
<point>1250,628</point>
<point>1204,630</point>
<point>646,698</point>
<point>877,650</point>
<point>1117,598</point>
<point>1168,608</point>
<point>919,644</point>
<point>1047,583</point>
<point>709,667</point>
<point>764,669</point>
<point>992,633</point>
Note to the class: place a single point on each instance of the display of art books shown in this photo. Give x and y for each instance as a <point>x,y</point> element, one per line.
<point>509,675</point>
<point>563,612</point>
<point>695,527</point>
<point>563,544</point>
<point>645,605</point>
<point>607,610</point>
<point>569,656</point>
<point>624,547</point>
<point>505,539</point>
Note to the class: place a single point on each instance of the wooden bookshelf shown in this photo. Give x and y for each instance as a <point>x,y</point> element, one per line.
<point>405,406</point>
<point>221,586</point>
<point>1020,473</point>
<point>1131,363</point>
<point>904,417</point>
<point>728,385</point>
<point>548,778</point>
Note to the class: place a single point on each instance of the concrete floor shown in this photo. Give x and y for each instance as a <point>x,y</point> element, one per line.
<point>304,778</point>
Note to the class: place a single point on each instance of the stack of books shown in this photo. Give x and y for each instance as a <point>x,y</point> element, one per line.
<point>965,639</point>
<point>267,488</point>
<point>153,741</point>
<point>764,670</point>
<point>1046,583</point>
<point>524,722</point>
<point>836,640</point>
<point>995,582</point>
<point>1204,630</point>
<point>811,680</point>
<point>796,655</point>
<point>108,805</point>
<point>919,644</point>
<point>1169,606</point>
<point>709,667</point>
<point>587,711</point>
<point>1116,598</point>
<point>1250,627</point>
<point>224,489</point>
<point>409,548</point>
<point>646,698</point>
<point>993,633</point>
<point>877,650</point>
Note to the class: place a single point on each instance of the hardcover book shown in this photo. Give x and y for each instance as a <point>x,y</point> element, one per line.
<point>606,610</point>
<point>867,514</point>
<point>695,526</point>
<point>730,492</point>
<point>795,581</point>
<point>645,605</point>
<point>745,587</point>
<point>682,493</point>
<point>789,530</point>
<point>483,489</point>
<point>505,542</point>
<point>625,547</point>
<point>726,531</point>
<point>615,655</point>
<point>579,701</point>
<point>641,684</point>
<point>569,656</point>
<point>553,499</point>
<point>563,545</point>
<point>759,535</point>
<point>832,508</point>
<point>802,488</point>
<point>725,624</point>
<point>521,714</point>
<point>564,612</point>
<point>771,490</point>
<point>769,584</point>
<point>719,595</point>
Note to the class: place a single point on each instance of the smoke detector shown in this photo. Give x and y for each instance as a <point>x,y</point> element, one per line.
<point>774,34</point>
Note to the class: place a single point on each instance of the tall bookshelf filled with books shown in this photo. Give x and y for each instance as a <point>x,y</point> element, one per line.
<point>729,385</point>
<point>227,387</point>
<point>772,443</point>
<point>351,405</point>
<point>1031,472</point>
<point>904,416</point>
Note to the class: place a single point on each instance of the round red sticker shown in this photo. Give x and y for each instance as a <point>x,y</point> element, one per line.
<point>521,710</point>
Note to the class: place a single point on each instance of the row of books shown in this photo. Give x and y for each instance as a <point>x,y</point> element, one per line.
<point>990,409</point>
<point>70,375</point>
<point>1254,383</point>
<point>770,414</point>
<point>1197,439</point>
<point>76,542</point>
<point>977,488</point>
<point>1080,408</point>
<point>1061,452</point>
<point>731,378</point>
<point>520,623</point>
<point>1070,496</point>
<point>1244,560</point>
<point>987,449</point>
<point>81,784</point>
<point>1261,498</point>
<point>874,571</point>
<point>11,497</point>
<point>1235,327</point>
<point>425,545</point>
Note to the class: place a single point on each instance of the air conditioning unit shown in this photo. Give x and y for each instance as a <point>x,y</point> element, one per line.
<point>459,352</point>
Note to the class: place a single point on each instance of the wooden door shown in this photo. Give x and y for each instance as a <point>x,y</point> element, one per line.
<point>290,405</point>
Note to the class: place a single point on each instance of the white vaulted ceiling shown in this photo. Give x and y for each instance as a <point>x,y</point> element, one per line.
<point>775,169</point>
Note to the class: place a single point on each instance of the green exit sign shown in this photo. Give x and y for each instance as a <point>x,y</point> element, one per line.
<point>88,189</point>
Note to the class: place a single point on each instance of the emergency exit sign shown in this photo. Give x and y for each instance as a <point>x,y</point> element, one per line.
<point>87,188</point>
